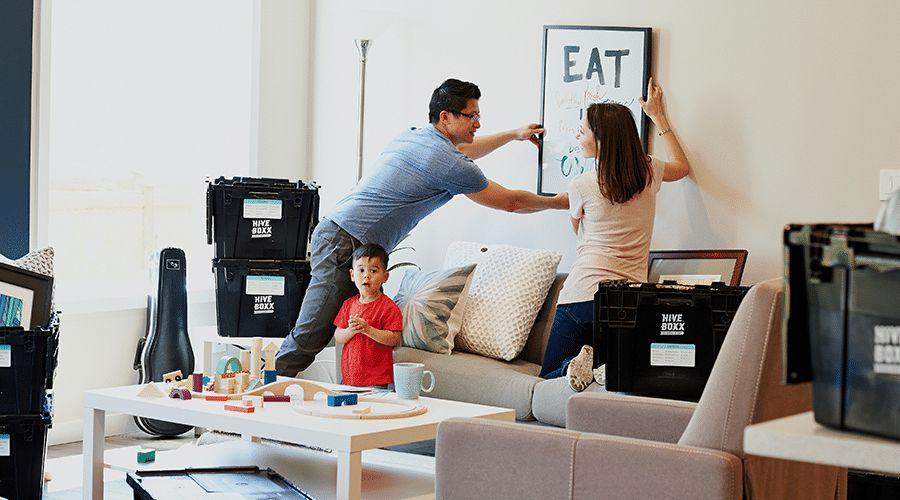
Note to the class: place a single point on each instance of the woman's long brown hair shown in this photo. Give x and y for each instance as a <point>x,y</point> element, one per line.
<point>623,168</point>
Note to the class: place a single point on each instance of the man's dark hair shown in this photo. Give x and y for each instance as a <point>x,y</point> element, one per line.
<point>371,250</point>
<point>453,95</point>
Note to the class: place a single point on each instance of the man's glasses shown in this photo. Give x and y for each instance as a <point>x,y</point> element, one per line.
<point>472,116</point>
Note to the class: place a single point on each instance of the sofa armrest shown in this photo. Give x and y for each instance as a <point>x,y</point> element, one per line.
<point>514,461</point>
<point>654,419</point>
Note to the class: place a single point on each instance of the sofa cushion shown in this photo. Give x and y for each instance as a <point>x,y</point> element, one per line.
<point>432,304</point>
<point>471,378</point>
<point>507,291</point>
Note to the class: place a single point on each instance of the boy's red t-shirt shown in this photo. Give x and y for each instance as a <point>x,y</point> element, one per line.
<point>365,362</point>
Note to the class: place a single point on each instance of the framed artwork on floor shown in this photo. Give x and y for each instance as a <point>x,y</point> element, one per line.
<point>24,298</point>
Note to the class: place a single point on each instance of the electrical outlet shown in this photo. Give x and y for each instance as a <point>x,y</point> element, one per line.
<point>888,182</point>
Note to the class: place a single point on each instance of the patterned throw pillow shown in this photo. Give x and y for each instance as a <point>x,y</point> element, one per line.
<point>432,304</point>
<point>507,292</point>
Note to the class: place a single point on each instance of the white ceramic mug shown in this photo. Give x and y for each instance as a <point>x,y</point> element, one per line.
<point>408,378</point>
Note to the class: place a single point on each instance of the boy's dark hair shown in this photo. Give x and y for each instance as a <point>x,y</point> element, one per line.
<point>371,250</point>
<point>453,96</point>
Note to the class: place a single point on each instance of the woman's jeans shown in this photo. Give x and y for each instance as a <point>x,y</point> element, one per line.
<point>573,327</point>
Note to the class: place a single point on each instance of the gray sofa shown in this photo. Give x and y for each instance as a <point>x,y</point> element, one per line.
<point>515,384</point>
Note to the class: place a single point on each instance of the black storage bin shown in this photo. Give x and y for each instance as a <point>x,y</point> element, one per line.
<point>27,364</point>
<point>843,282</point>
<point>661,339</point>
<point>252,218</point>
<point>22,469</point>
<point>240,482</point>
<point>259,298</point>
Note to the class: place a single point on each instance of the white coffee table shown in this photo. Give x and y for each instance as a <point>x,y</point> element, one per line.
<point>277,421</point>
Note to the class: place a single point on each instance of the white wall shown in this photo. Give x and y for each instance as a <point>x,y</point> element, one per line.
<point>783,109</point>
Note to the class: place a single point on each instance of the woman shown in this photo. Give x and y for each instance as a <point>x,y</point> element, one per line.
<point>612,210</point>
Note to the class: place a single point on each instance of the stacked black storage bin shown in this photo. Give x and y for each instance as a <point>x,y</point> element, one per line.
<point>27,366</point>
<point>261,230</point>
<point>662,339</point>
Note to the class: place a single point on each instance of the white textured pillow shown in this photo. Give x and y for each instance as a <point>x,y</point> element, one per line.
<point>432,304</point>
<point>507,291</point>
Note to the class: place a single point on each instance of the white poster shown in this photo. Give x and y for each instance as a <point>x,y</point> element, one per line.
<point>584,65</point>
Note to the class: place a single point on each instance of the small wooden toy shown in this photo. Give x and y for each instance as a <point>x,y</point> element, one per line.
<point>342,399</point>
<point>217,397</point>
<point>240,409</point>
<point>151,391</point>
<point>255,401</point>
<point>180,393</point>
<point>175,376</point>
<point>146,456</point>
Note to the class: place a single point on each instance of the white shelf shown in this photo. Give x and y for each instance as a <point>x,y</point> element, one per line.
<point>799,437</point>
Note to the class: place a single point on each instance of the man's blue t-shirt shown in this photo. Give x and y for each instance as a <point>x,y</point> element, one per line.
<point>417,173</point>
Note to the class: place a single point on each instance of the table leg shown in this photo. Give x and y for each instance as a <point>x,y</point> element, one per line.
<point>92,453</point>
<point>349,475</point>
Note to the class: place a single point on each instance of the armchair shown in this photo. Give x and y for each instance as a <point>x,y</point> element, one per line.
<point>623,447</point>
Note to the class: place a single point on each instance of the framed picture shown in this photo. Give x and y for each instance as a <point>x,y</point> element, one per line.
<point>584,65</point>
<point>24,297</point>
<point>697,267</point>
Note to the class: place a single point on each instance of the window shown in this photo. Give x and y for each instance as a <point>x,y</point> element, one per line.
<point>147,100</point>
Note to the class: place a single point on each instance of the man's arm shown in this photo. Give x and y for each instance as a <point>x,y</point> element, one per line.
<point>483,145</point>
<point>518,201</point>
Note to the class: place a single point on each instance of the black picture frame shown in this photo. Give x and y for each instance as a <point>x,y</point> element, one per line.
<point>581,65</point>
<point>726,263</point>
<point>25,298</point>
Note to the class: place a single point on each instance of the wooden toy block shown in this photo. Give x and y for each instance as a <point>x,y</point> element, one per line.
<point>151,391</point>
<point>255,353</point>
<point>271,350</point>
<point>175,376</point>
<point>256,401</point>
<point>342,399</point>
<point>240,409</point>
<point>197,382</point>
<point>276,399</point>
<point>244,356</point>
<point>180,394</point>
<point>271,376</point>
<point>362,410</point>
<point>146,456</point>
<point>228,364</point>
<point>217,397</point>
<point>254,384</point>
<point>242,379</point>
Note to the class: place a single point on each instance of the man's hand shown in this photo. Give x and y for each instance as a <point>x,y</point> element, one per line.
<point>530,132</point>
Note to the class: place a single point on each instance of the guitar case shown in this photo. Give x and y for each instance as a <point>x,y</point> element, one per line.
<point>166,346</point>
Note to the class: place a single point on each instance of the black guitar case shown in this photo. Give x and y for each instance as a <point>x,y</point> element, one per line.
<point>166,346</point>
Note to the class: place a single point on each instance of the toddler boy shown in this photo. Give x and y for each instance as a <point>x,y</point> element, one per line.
<point>369,324</point>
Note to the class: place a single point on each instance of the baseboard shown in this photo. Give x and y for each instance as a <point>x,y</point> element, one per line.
<point>71,431</point>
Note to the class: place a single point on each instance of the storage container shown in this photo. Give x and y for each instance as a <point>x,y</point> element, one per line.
<point>661,339</point>
<point>251,218</point>
<point>258,298</point>
<point>27,365</point>
<point>23,449</point>
<point>843,295</point>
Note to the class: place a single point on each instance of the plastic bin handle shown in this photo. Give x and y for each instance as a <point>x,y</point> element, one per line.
<point>880,264</point>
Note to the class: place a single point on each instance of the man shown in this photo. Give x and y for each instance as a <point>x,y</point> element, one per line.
<point>418,172</point>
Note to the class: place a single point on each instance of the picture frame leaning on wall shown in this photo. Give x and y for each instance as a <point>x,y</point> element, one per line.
<point>583,65</point>
<point>25,298</point>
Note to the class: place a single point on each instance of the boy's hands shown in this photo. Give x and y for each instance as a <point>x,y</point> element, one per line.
<point>358,325</point>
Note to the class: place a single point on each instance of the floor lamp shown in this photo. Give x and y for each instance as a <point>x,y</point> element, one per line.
<point>363,46</point>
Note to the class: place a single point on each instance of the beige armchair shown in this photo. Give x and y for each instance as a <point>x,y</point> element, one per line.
<point>629,447</point>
